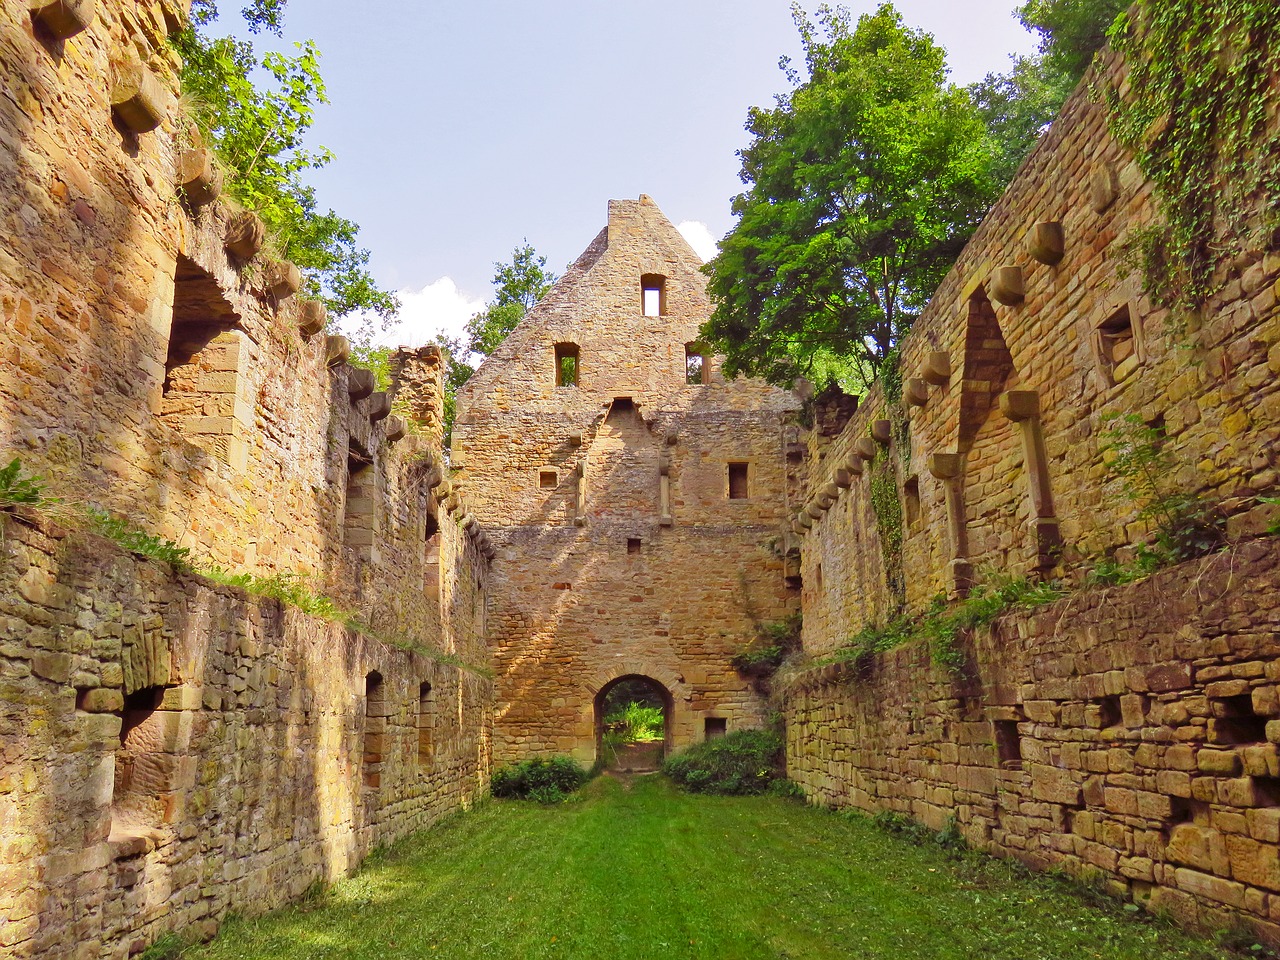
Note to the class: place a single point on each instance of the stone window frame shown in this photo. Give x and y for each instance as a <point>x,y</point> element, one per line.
<point>657,283</point>
<point>1103,339</point>
<point>729,486</point>
<point>568,350</point>
<point>543,474</point>
<point>697,350</point>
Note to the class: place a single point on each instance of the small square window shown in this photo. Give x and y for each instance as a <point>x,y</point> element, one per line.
<point>738,489</point>
<point>713,728</point>
<point>547,479</point>
<point>633,545</point>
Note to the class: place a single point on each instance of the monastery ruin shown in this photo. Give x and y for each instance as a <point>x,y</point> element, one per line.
<point>175,747</point>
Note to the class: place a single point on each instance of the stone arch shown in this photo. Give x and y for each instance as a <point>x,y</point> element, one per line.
<point>678,721</point>
<point>668,708</point>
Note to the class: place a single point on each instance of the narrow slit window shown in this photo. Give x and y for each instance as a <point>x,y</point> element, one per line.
<point>360,522</point>
<point>431,556</point>
<point>911,494</point>
<point>424,723</point>
<point>653,294</point>
<point>375,729</point>
<point>696,369</point>
<point>567,365</point>
<point>738,488</point>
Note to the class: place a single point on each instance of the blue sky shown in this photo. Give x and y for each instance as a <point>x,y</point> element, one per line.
<point>460,129</point>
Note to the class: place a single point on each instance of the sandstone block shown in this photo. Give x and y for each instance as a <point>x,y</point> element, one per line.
<point>137,98</point>
<point>244,235</point>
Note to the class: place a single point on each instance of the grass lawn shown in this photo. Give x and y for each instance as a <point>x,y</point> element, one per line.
<point>650,872</point>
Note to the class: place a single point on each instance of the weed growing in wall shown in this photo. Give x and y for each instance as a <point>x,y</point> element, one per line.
<point>132,538</point>
<point>1186,525</point>
<point>773,643</point>
<point>18,487</point>
<point>1195,115</point>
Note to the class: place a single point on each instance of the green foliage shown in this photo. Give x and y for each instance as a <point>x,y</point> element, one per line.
<point>1274,527</point>
<point>635,871</point>
<point>886,505</point>
<point>541,780</point>
<point>257,133</point>
<point>286,587</point>
<point>636,723</point>
<point>942,624</point>
<point>739,763</point>
<point>1019,104</point>
<point>863,183</point>
<point>377,360</point>
<point>1195,113</point>
<point>17,487</point>
<point>128,536</point>
<point>1186,525</point>
<point>518,285</point>
<point>948,839</point>
<point>773,642</point>
<point>169,947</point>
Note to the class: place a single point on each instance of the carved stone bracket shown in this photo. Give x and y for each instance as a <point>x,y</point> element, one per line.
<point>1023,408</point>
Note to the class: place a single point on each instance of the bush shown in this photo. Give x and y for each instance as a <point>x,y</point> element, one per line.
<point>744,762</point>
<point>637,723</point>
<point>542,780</point>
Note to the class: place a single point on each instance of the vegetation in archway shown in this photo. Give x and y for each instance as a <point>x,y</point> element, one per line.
<point>634,711</point>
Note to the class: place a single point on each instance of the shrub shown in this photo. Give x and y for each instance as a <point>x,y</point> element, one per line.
<point>635,723</point>
<point>19,487</point>
<point>541,780</point>
<point>744,762</point>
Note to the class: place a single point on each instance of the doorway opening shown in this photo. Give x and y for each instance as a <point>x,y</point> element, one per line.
<point>633,724</point>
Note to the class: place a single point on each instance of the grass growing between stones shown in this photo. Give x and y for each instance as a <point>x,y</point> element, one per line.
<point>650,872</point>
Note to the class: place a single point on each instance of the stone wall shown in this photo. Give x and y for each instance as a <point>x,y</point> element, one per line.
<point>1128,731</point>
<point>983,377</point>
<point>173,750</point>
<point>620,549</point>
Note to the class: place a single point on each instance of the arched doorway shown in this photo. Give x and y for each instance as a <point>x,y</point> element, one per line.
<point>633,723</point>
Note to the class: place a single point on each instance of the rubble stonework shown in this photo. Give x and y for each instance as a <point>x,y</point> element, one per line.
<point>171,750</point>
<point>563,476</point>
<point>1128,730</point>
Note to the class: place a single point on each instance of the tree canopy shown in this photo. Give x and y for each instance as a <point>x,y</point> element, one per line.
<point>257,133</point>
<point>863,183</point>
<point>1019,104</point>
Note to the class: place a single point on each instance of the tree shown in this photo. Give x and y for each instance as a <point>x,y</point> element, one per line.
<point>257,134</point>
<point>863,183</point>
<point>518,286</point>
<point>1018,105</point>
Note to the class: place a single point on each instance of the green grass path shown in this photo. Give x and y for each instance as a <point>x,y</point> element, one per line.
<point>649,872</point>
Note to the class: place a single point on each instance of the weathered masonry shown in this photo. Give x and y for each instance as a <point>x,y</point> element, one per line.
<point>635,498</point>
<point>1130,730</point>
<point>170,749</point>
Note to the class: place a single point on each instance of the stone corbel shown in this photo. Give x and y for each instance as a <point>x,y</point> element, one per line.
<point>336,349</point>
<point>882,432</point>
<point>917,392</point>
<point>949,468</point>
<point>1006,286</point>
<point>1045,242</point>
<point>865,448</point>
<point>137,99</point>
<point>937,368</point>
<point>244,235</point>
<point>312,315</point>
<point>379,407</point>
<point>1023,408</point>
<point>843,479</point>
<point>284,279</point>
<point>360,383</point>
<point>62,18</point>
<point>200,180</point>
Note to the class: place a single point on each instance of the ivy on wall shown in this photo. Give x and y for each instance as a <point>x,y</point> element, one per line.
<point>1196,116</point>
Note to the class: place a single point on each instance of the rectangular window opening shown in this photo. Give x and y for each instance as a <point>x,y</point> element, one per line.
<point>567,365</point>
<point>653,295</point>
<point>1117,345</point>
<point>424,723</point>
<point>547,479</point>
<point>696,369</point>
<point>375,730</point>
<point>633,545</point>
<point>1008,744</point>
<point>738,489</point>
<point>358,520</point>
<point>911,493</point>
<point>714,727</point>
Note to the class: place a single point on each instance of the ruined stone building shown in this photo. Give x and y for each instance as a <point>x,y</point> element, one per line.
<point>635,498</point>
<point>179,743</point>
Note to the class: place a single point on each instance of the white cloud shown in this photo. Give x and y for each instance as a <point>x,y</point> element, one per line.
<point>438,307</point>
<point>698,237</point>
